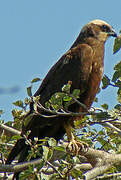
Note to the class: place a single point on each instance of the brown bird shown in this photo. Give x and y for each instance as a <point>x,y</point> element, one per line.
<point>83,65</point>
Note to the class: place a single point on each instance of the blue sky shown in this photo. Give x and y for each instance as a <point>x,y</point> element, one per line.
<point>34,34</point>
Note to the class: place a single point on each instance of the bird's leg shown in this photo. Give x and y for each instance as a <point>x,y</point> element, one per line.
<point>74,146</point>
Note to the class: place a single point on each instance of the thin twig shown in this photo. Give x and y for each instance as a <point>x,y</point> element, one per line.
<point>45,116</point>
<point>78,102</point>
<point>58,113</point>
<point>107,124</point>
<point>113,127</point>
<point>109,175</point>
<point>55,169</point>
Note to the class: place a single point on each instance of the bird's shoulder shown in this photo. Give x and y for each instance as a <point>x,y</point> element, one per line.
<point>81,50</point>
<point>73,59</point>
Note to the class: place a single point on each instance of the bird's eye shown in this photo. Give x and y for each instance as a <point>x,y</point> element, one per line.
<point>105,28</point>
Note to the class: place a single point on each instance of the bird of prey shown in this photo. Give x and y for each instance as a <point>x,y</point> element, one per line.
<point>82,65</point>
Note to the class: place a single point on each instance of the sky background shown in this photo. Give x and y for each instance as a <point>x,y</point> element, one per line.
<point>35,33</point>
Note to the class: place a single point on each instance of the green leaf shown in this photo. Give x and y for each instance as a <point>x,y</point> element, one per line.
<point>39,166</point>
<point>29,91</point>
<point>15,137</point>
<point>59,148</point>
<point>1,112</point>
<point>117,44</point>
<point>66,88</point>
<point>36,99</point>
<point>103,115</point>
<point>76,93</point>
<point>67,98</point>
<point>117,67</point>
<point>118,106</point>
<point>26,101</point>
<point>96,99</point>
<point>35,80</point>
<point>50,154</point>
<point>119,95</point>
<point>105,106</point>
<point>105,82</point>
<point>118,83</point>
<point>47,105</point>
<point>102,141</point>
<point>116,75</point>
<point>45,152</point>
<point>19,103</point>
<point>76,173</point>
<point>52,142</point>
<point>101,133</point>
<point>56,101</point>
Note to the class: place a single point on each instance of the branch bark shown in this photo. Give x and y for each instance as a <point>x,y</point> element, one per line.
<point>100,162</point>
<point>10,129</point>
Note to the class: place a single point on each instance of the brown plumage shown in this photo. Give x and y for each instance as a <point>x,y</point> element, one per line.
<point>83,65</point>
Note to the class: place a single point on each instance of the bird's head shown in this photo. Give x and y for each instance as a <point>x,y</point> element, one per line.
<point>98,29</point>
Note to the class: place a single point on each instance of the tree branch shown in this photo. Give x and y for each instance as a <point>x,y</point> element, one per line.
<point>110,176</point>
<point>19,166</point>
<point>107,123</point>
<point>10,129</point>
<point>98,161</point>
<point>96,171</point>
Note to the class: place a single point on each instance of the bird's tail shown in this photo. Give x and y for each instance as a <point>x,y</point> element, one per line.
<point>16,150</point>
<point>20,148</point>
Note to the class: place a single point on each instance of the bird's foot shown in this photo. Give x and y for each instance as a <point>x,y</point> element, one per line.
<point>74,146</point>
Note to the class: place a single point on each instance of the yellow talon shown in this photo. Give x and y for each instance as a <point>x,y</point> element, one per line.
<point>75,146</point>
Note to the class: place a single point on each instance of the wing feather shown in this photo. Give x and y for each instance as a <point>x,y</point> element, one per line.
<point>73,66</point>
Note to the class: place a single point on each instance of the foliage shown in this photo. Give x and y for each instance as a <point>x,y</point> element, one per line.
<point>55,162</point>
<point>117,44</point>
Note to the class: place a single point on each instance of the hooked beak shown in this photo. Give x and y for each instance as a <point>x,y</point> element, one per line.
<point>112,33</point>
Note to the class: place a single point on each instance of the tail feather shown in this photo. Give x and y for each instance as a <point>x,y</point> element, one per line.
<point>23,156</point>
<point>16,150</point>
<point>19,148</point>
